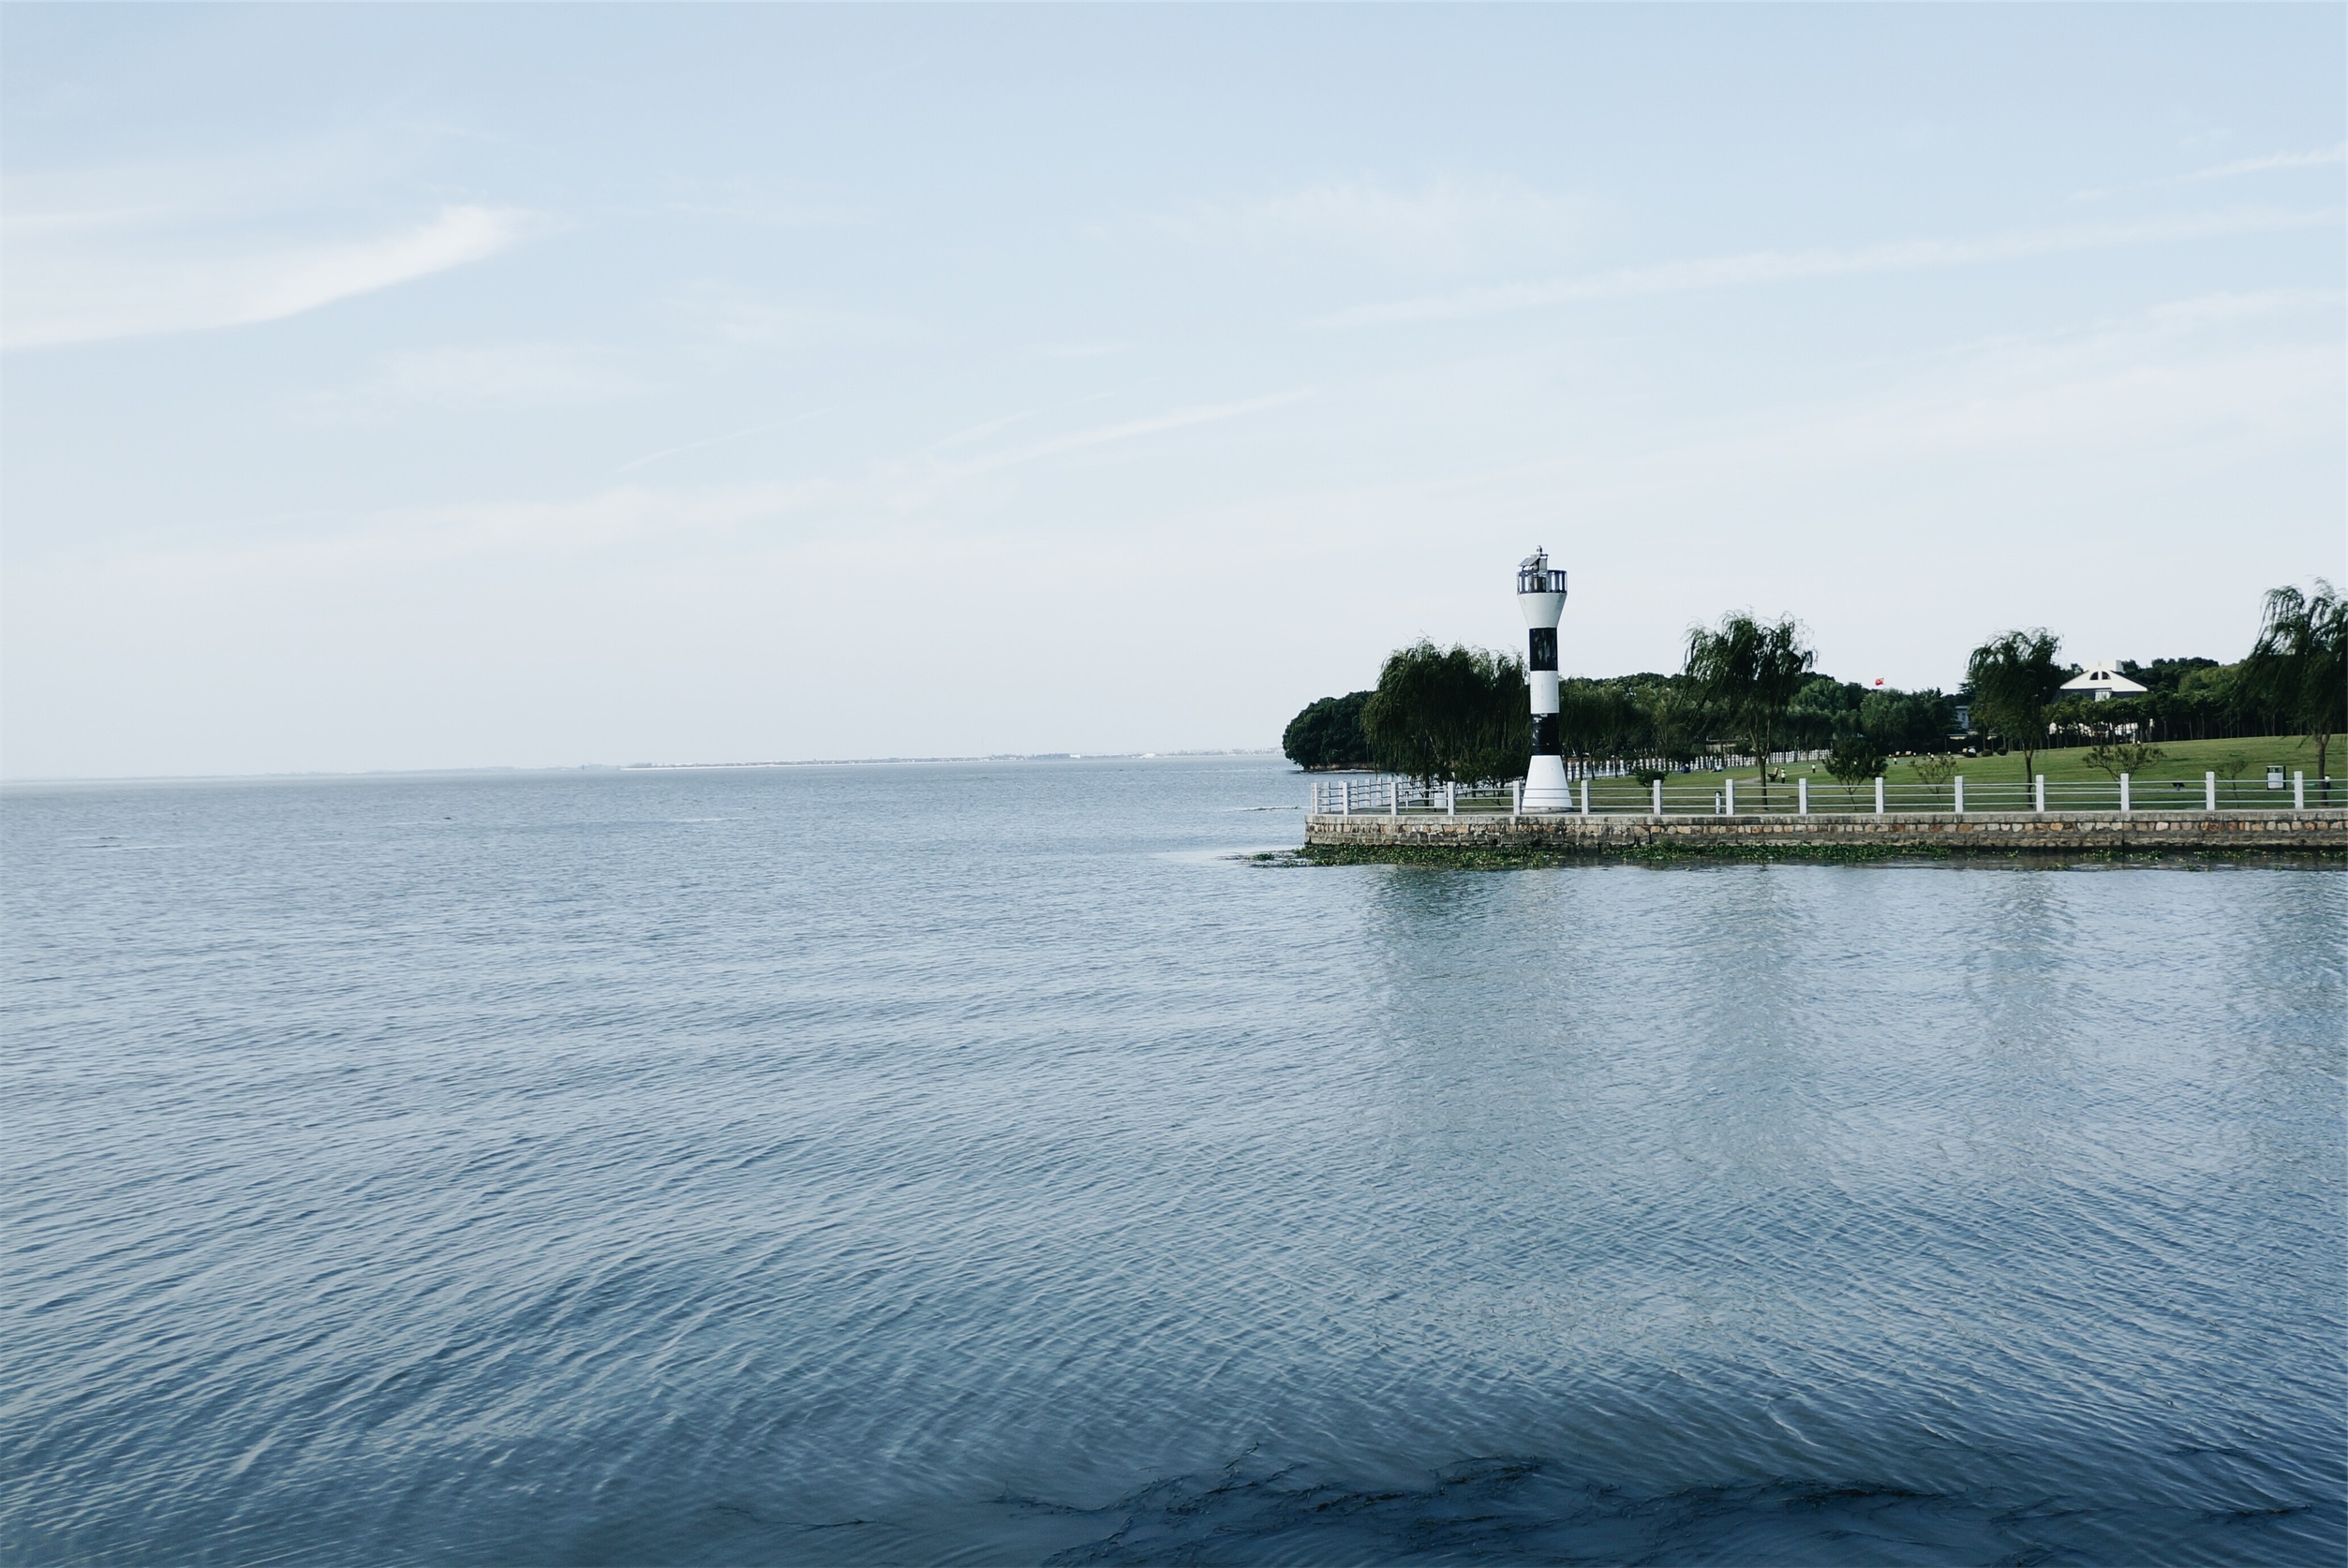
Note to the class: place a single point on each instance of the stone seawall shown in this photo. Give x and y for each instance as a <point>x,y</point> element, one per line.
<point>1937,832</point>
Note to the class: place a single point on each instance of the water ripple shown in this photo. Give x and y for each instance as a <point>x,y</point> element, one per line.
<point>977,1165</point>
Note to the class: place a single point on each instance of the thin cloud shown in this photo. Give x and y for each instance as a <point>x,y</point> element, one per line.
<point>1178,419</point>
<point>980,431</point>
<point>1447,220</point>
<point>506,374</point>
<point>457,236</point>
<point>535,529</point>
<point>715,441</point>
<point>1777,266</point>
<point>2228,172</point>
<point>1082,350</point>
<point>769,204</point>
<point>735,316</point>
<point>621,512</point>
<point>143,284</point>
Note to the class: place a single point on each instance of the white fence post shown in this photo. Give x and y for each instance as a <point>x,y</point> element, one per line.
<point>2038,793</point>
<point>1879,795</point>
<point>2123,795</point>
<point>1802,796</point>
<point>1451,797</point>
<point>2209,792</point>
<point>1394,797</point>
<point>1585,794</point>
<point>1516,798</point>
<point>1960,794</point>
<point>2298,791</point>
<point>1345,798</point>
<point>1658,797</point>
<point>1732,810</point>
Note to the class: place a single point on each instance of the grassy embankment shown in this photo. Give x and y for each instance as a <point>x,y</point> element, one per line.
<point>2181,761</point>
<point>2185,760</point>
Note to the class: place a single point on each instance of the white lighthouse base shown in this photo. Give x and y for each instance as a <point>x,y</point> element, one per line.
<point>1545,785</point>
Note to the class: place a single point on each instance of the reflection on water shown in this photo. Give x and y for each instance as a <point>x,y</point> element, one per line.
<point>970,1164</point>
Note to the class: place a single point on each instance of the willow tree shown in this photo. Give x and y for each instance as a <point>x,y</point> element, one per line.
<point>1749,672</point>
<point>1602,719</point>
<point>2296,670</point>
<point>2013,676</point>
<point>1450,715</point>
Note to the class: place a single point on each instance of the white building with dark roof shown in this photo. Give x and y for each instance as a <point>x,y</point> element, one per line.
<point>2102,677</point>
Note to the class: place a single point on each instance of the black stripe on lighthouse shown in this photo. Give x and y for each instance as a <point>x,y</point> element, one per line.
<point>1541,651</point>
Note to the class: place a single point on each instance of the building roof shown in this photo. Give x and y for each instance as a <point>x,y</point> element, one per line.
<point>2102,675</point>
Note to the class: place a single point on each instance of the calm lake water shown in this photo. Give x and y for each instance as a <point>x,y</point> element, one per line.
<point>976,1163</point>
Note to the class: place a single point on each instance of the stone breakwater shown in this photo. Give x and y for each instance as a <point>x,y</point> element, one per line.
<point>2322,830</point>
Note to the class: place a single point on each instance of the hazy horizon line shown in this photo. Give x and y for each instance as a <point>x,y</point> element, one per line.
<point>309,774</point>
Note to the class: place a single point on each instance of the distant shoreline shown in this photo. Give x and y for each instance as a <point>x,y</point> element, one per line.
<point>502,769</point>
<point>990,757</point>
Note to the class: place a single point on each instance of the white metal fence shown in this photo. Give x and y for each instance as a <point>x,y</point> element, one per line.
<point>1357,796</point>
<point>1623,767</point>
<point>1696,794</point>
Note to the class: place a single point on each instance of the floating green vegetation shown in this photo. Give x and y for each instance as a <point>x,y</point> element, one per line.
<point>1662,852</point>
<point>1669,852</point>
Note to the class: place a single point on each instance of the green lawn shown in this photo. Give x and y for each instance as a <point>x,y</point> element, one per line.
<point>2186,760</point>
<point>1990,780</point>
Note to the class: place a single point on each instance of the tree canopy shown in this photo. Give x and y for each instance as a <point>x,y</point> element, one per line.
<point>2013,676</point>
<point>1855,758</point>
<point>1906,722</point>
<point>2295,668</point>
<point>1659,718</point>
<point>1451,715</point>
<point>1751,672</point>
<point>1327,734</point>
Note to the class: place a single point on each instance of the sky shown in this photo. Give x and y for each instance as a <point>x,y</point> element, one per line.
<point>423,387</point>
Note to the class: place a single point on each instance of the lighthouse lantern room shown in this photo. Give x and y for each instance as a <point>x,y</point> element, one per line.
<point>1540,593</point>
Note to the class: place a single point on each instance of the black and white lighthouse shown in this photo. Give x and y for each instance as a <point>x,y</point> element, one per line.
<point>1540,593</point>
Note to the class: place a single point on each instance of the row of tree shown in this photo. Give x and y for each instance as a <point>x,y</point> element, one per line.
<point>1462,714</point>
<point>2184,699</point>
<point>2293,682</point>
